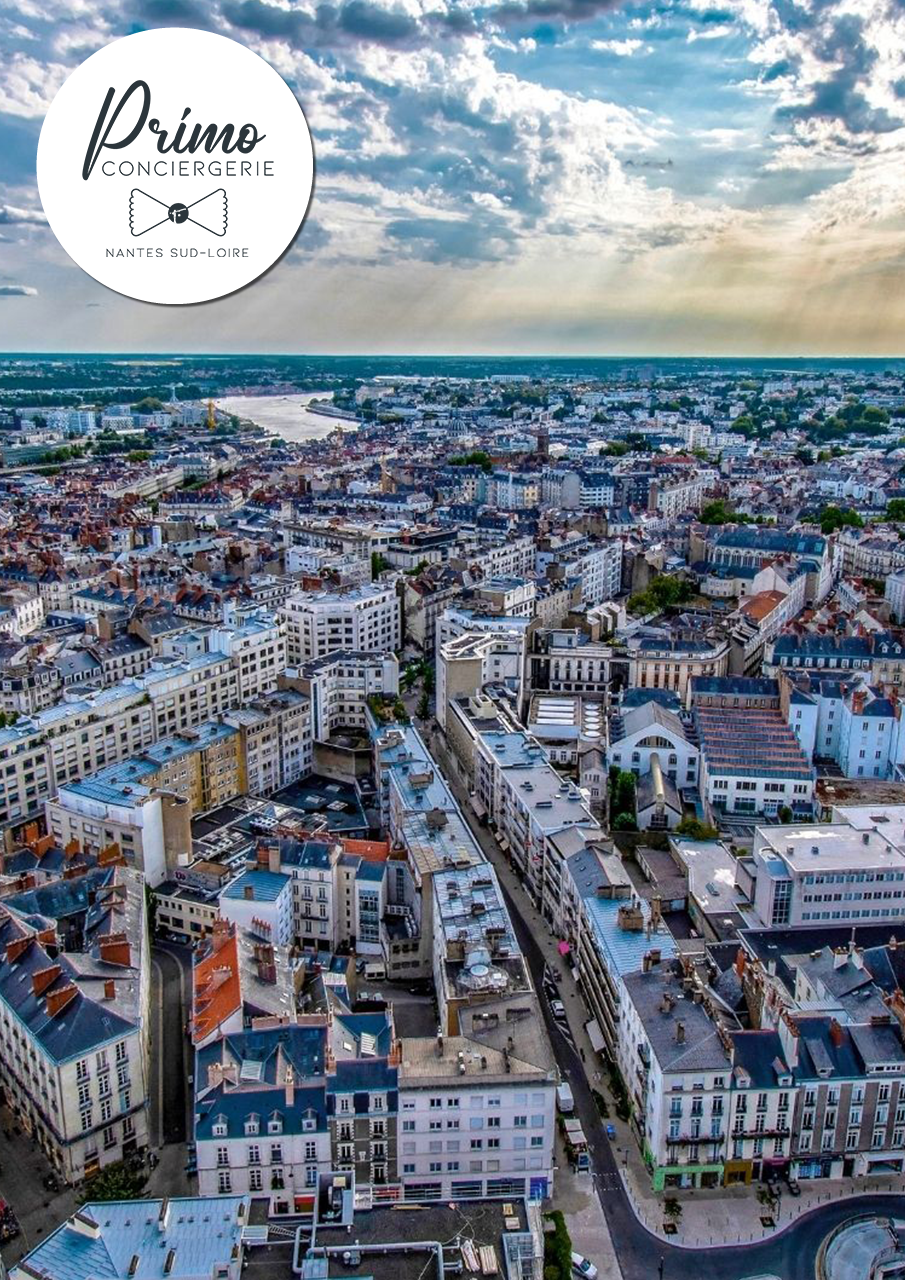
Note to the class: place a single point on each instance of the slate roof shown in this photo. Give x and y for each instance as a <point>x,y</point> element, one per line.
<point>202,1231</point>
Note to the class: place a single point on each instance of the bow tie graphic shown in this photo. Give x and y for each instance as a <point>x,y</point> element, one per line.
<point>147,212</point>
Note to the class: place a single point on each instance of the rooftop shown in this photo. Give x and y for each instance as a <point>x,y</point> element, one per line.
<point>141,1240</point>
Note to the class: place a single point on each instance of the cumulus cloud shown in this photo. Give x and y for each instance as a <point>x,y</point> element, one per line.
<point>17,291</point>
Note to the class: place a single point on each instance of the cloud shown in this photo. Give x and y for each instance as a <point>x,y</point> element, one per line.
<point>621,48</point>
<point>17,291</point>
<point>10,215</point>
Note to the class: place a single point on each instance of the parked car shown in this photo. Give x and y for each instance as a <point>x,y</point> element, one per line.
<point>558,1009</point>
<point>583,1267</point>
<point>610,1131</point>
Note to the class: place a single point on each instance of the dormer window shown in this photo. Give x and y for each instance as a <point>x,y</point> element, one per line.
<point>220,1127</point>
<point>252,1125</point>
<point>275,1125</point>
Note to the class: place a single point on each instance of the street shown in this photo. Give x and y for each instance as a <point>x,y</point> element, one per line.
<point>789,1254</point>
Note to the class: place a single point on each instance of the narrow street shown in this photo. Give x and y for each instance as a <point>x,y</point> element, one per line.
<point>789,1254</point>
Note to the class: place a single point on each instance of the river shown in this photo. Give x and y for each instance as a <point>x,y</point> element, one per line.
<point>286,416</point>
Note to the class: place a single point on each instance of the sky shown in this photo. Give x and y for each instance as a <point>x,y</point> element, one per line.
<point>520,176</point>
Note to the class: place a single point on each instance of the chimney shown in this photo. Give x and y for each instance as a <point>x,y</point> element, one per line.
<point>290,1087</point>
<point>109,989</point>
<point>273,858</point>
<point>17,947</point>
<point>57,1001</point>
<point>788,1038</point>
<point>740,962</point>
<point>115,949</point>
<point>645,963</point>
<point>439,1044</point>
<point>41,979</point>
<point>248,892</point>
<point>836,1033</point>
<point>680,1033</point>
<point>840,957</point>
<point>220,934</point>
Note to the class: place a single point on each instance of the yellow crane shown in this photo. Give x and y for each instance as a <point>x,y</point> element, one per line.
<point>211,416</point>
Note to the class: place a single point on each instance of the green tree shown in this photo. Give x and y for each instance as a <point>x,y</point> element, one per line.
<point>114,1182</point>
<point>832,518</point>
<point>696,830</point>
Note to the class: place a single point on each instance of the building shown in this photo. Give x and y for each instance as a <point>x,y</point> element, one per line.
<point>257,648</point>
<point>75,1017</point>
<point>182,1238</point>
<point>751,762</point>
<point>365,619</point>
<point>672,659</point>
<point>834,872</point>
<point>339,685</point>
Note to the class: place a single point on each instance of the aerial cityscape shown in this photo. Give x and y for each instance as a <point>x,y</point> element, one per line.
<point>453,817</point>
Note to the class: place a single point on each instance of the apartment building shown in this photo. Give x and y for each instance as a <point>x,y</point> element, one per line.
<point>753,547</point>
<point>277,742</point>
<point>257,648</point>
<point>527,803</point>
<point>569,661</point>
<point>894,592</point>
<point>145,804</point>
<point>675,495</point>
<point>75,1018</point>
<point>339,685</point>
<point>672,659</point>
<point>184,692</point>
<point>471,661</point>
<point>270,1134</point>
<point>365,619</point>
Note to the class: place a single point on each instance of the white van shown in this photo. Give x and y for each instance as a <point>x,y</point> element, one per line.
<point>375,971</point>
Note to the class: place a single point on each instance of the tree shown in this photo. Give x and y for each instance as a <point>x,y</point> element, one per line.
<point>832,518</point>
<point>150,404</point>
<point>718,513</point>
<point>696,830</point>
<point>664,591</point>
<point>115,1182</point>
<point>895,509</point>
<point>477,458</point>
<point>784,814</point>
<point>378,564</point>
<point>424,705</point>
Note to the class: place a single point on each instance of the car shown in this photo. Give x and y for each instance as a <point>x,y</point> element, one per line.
<point>558,1009</point>
<point>610,1131</point>
<point>794,1187</point>
<point>583,1267</point>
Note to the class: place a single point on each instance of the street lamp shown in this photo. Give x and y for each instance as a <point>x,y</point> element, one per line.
<point>660,1267</point>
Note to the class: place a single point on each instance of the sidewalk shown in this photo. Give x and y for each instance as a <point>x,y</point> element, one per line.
<point>718,1217</point>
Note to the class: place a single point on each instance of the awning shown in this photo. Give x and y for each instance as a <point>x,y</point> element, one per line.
<point>595,1035</point>
<point>563,948</point>
<point>503,843</point>
<point>478,807</point>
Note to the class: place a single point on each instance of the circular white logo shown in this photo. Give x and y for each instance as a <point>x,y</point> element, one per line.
<point>175,165</point>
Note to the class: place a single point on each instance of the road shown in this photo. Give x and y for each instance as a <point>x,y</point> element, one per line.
<point>790,1254</point>
<point>170,1061</point>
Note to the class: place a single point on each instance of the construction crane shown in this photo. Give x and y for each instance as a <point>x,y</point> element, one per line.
<point>211,416</point>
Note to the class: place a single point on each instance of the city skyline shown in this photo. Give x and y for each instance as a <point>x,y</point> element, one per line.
<point>546,178</point>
